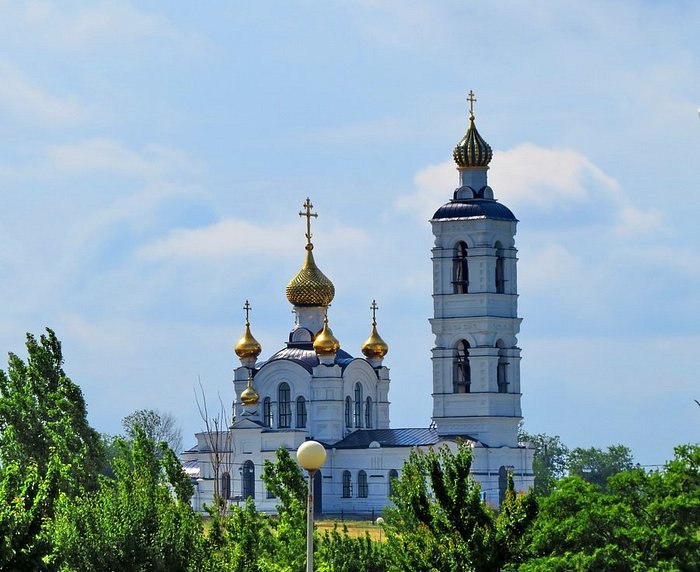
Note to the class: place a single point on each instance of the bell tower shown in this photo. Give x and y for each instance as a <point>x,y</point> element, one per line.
<point>476,360</point>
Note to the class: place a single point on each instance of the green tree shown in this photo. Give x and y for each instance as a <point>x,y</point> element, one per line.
<point>47,447</point>
<point>340,552</point>
<point>159,427</point>
<point>440,523</point>
<point>550,462</point>
<point>597,466</point>
<point>640,522</point>
<point>133,522</point>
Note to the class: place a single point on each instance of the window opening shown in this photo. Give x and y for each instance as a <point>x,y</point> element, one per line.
<point>462,369</point>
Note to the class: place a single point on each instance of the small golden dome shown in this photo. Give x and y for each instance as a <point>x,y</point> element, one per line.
<point>326,344</point>
<point>374,347</point>
<point>247,346</point>
<point>472,150</point>
<point>310,287</point>
<point>249,396</point>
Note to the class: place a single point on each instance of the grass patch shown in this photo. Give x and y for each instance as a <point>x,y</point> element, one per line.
<point>355,528</point>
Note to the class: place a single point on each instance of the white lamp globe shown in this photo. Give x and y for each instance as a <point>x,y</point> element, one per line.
<point>311,455</point>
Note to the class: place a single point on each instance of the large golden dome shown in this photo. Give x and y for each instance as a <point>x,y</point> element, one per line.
<point>326,344</point>
<point>310,287</point>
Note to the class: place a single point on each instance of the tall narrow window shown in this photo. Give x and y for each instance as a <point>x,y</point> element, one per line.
<point>267,412</point>
<point>460,269</point>
<point>393,475</point>
<point>248,480</point>
<point>301,412</point>
<point>462,379</point>
<point>502,368</point>
<point>358,405</point>
<point>368,413</point>
<point>500,269</point>
<point>362,488</point>
<point>284,406</point>
<point>347,485</point>
<point>226,486</point>
<point>348,412</point>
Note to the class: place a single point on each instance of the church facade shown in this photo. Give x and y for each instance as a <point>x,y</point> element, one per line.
<point>313,389</point>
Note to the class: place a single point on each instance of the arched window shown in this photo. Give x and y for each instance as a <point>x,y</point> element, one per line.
<point>462,370</point>
<point>393,475</point>
<point>284,406</point>
<point>301,412</point>
<point>347,485</point>
<point>348,412</point>
<point>460,269</point>
<point>502,368</point>
<point>358,405</point>
<point>226,486</point>
<point>368,413</point>
<point>267,412</point>
<point>362,488</point>
<point>503,483</point>
<point>500,269</point>
<point>248,480</point>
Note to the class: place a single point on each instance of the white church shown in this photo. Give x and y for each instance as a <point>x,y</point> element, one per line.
<point>313,389</point>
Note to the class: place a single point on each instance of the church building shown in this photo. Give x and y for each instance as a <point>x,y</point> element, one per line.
<point>311,388</point>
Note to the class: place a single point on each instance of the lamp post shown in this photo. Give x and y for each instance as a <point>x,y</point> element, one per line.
<point>311,456</point>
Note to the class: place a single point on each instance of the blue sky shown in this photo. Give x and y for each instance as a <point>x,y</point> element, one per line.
<point>154,157</point>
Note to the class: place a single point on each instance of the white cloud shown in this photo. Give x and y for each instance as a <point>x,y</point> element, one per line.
<point>535,180</point>
<point>107,155</point>
<point>232,237</point>
<point>20,98</point>
<point>95,23</point>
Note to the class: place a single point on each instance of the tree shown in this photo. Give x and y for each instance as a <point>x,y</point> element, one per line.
<point>47,447</point>
<point>43,413</point>
<point>219,444</point>
<point>597,466</point>
<point>159,427</point>
<point>640,522</point>
<point>440,523</point>
<point>133,522</point>
<point>550,462</point>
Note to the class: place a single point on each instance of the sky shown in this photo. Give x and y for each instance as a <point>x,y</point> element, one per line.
<point>154,157</point>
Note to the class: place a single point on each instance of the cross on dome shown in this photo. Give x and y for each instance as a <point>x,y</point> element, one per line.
<point>308,205</point>
<point>374,309</point>
<point>247,307</point>
<point>471,99</point>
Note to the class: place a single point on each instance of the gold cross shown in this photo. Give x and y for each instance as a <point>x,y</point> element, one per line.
<point>247,309</point>
<point>374,309</point>
<point>471,99</point>
<point>308,214</point>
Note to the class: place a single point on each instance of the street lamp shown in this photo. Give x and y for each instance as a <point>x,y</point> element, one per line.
<point>311,456</point>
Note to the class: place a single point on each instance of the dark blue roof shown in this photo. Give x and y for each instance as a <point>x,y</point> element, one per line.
<point>474,208</point>
<point>307,358</point>
<point>389,438</point>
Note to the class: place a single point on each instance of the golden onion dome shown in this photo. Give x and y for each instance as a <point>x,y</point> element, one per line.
<point>375,347</point>
<point>310,287</point>
<point>249,396</point>
<point>247,346</point>
<point>326,344</point>
<point>472,150</point>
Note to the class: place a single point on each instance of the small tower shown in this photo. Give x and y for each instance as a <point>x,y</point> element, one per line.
<point>476,360</point>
